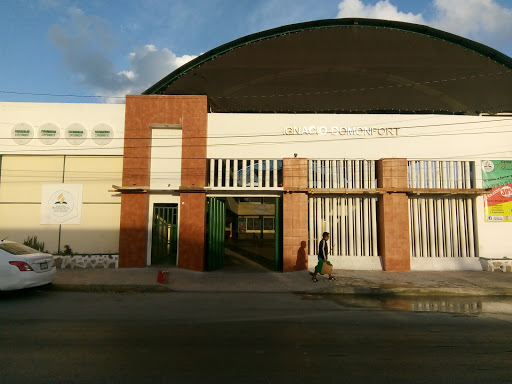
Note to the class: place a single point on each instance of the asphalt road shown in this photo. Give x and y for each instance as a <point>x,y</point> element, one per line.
<point>64,337</point>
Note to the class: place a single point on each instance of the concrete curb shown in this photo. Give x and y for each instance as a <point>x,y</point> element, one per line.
<point>116,288</point>
<point>340,290</point>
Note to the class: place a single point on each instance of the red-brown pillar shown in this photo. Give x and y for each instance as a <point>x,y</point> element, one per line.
<point>295,214</point>
<point>141,111</point>
<point>192,235</point>
<point>393,215</point>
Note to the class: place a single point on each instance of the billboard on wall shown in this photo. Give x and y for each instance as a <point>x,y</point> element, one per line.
<point>497,174</point>
<point>61,204</point>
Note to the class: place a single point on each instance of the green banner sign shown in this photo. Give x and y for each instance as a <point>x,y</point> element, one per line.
<point>496,173</point>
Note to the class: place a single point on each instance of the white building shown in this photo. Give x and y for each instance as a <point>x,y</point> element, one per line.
<point>388,135</point>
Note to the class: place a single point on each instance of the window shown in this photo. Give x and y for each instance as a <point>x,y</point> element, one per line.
<point>17,249</point>
<point>268,223</point>
<point>253,224</point>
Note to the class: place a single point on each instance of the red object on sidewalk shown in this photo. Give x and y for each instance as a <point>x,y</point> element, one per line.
<point>162,277</point>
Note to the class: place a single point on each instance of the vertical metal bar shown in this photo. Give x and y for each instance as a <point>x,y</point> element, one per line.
<point>311,225</point>
<point>343,229</point>
<point>318,219</point>
<point>423,215</point>
<point>467,174</point>
<point>350,225</point>
<point>455,238</point>
<point>438,174</point>
<point>267,174</point>
<point>275,174</point>
<point>422,175</point>
<point>447,227</point>
<point>335,174</point>
<point>209,215</point>
<point>439,225</point>
<point>342,174</point>
<point>411,227</point>
<point>358,226</point>
<point>251,174</point>
<point>429,174</point>
<point>462,227</point>
<point>223,235</point>
<point>431,227</point>
<point>235,173</point>
<point>335,247</point>
<point>327,213</point>
<point>460,175</point>
<point>212,173</point>
<point>349,174</point>
<point>469,212</point>
<point>327,174</point>
<point>423,219</point>
<point>446,209</point>
<point>471,237</point>
<point>228,173</point>
<point>318,175</point>
<point>310,174</point>
<point>217,239</point>
<point>414,173</point>
<point>219,173</point>
<point>366,227</point>
<point>260,173</point>
<point>314,230</point>
<point>366,216</point>
<point>244,173</point>
<point>350,213</point>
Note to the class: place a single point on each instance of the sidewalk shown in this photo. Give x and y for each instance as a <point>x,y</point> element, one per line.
<point>467,283</point>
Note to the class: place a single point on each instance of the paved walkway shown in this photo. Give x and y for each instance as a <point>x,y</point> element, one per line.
<point>469,283</point>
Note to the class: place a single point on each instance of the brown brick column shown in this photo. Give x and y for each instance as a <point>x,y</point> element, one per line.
<point>192,235</point>
<point>295,214</point>
<point>141,111</point>
<point>393,215</point>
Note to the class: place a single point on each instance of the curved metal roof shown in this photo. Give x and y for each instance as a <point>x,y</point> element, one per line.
<point>348,66</point>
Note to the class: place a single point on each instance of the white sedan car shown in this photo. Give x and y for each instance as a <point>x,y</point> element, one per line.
<point>24,267</point>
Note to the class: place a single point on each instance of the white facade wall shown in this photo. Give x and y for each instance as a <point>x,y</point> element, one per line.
<point>240,136</point>
<point>435,137</point>
<point>26,167</point>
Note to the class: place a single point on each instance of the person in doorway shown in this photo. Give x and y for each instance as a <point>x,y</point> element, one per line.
<point>323,251</point>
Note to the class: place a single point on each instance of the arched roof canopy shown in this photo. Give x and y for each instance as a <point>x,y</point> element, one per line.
<point>348,66</point>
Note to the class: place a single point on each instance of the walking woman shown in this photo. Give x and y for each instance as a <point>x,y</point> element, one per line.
<point>323,251</point>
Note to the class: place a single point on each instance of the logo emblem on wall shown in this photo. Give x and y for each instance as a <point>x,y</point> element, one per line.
<point>61,203</point>
<point>487,166</point>
<point>49,133</point>
<point>22,133</point>
<point>102,134</point>
<point>76,134</point>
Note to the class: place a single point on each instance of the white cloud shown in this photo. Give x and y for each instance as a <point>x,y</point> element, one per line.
<point>485,21</point>
<point>381,10</point>
<point>482,20</point>
<point>86,43</point>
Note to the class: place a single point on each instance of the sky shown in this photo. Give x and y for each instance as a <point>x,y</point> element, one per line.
<point>102,50</point>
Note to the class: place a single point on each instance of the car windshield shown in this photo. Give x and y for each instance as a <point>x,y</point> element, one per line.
<point>17,249</point>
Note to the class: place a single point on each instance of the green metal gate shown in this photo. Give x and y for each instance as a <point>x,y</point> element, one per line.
<point>164,244</point>
<point>216,233</point>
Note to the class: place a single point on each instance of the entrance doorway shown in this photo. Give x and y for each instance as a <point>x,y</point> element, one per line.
<point>164,240</point>
<point>244,233</point>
